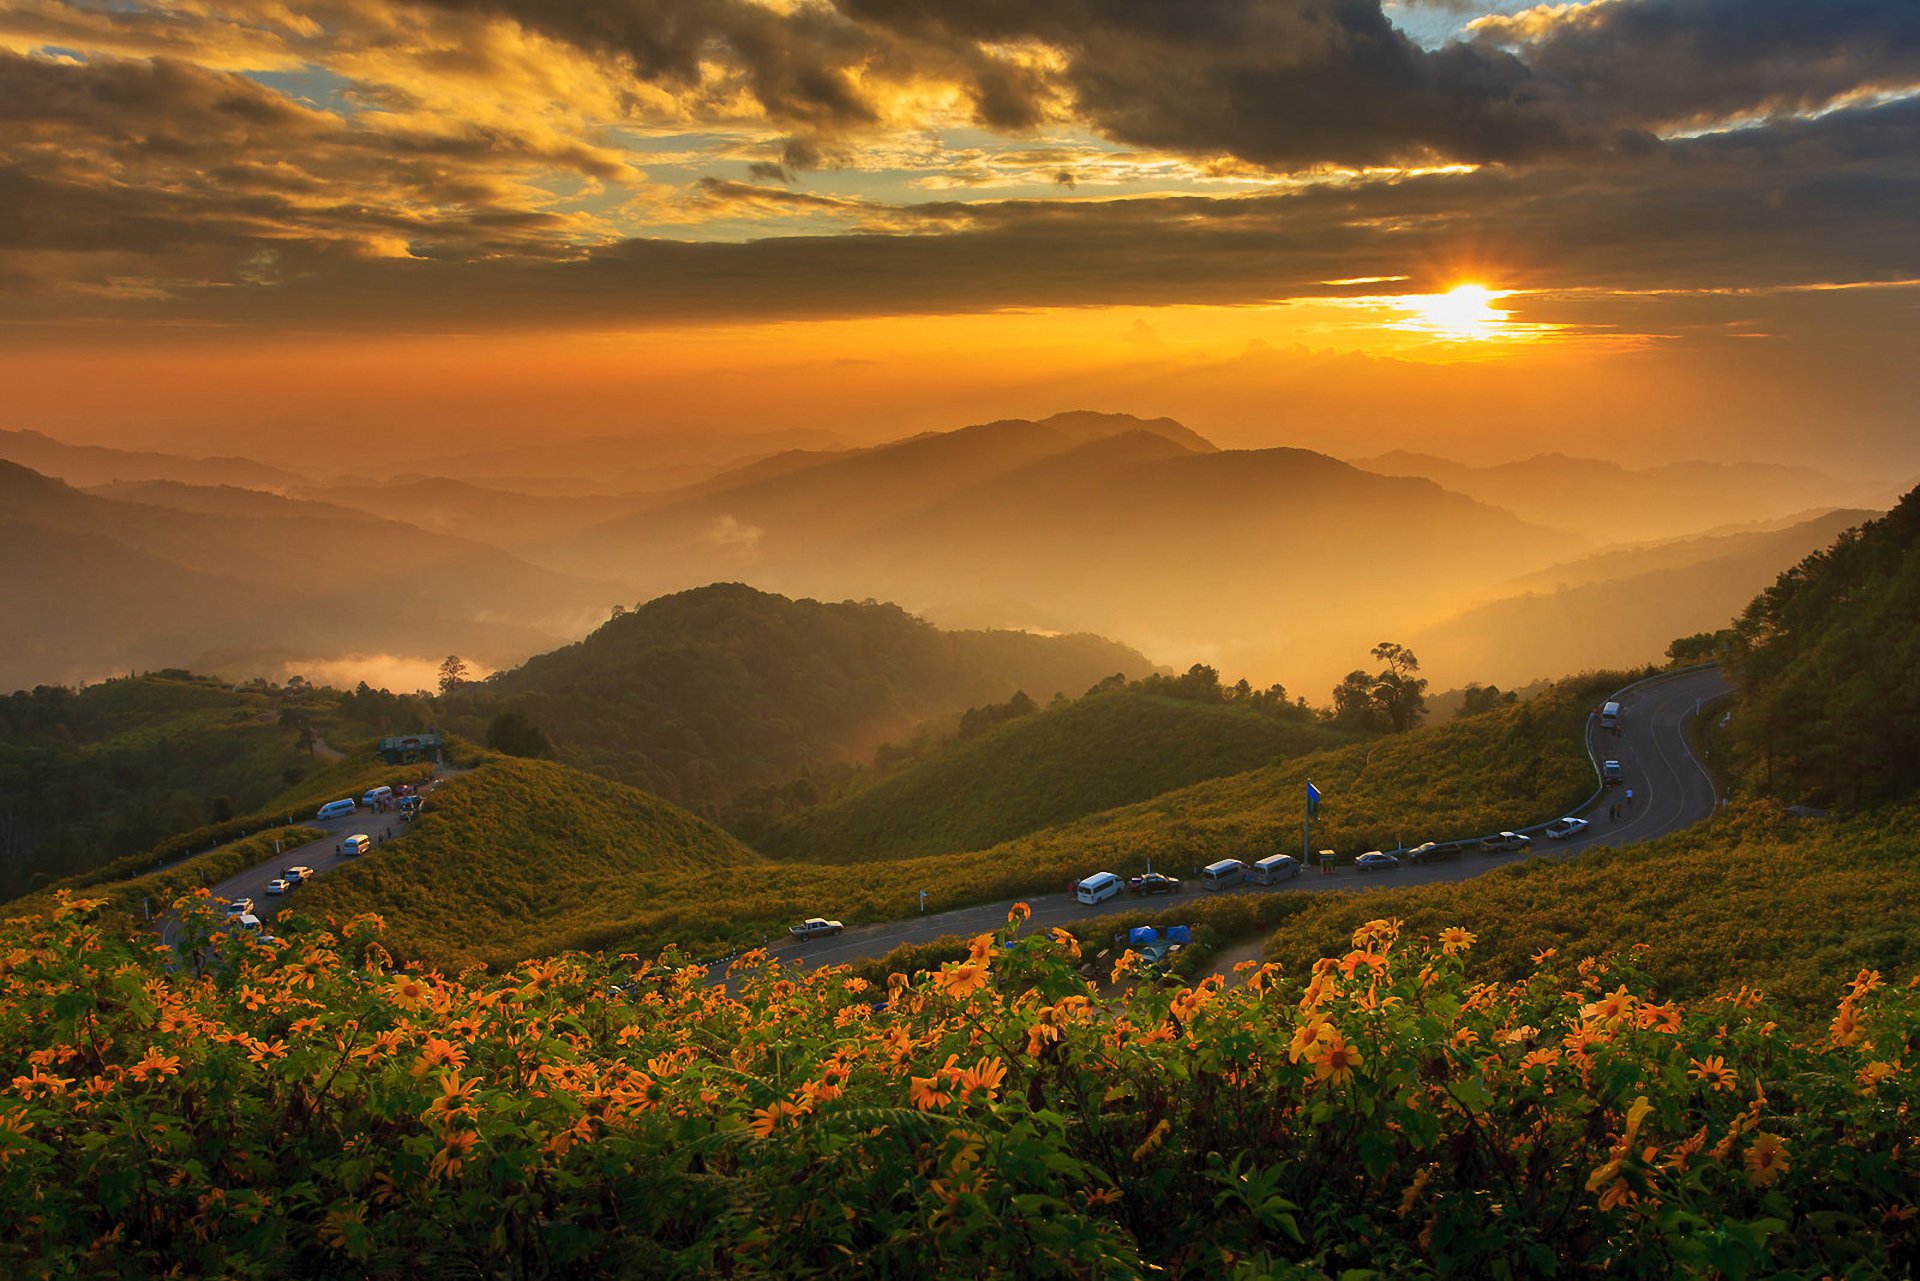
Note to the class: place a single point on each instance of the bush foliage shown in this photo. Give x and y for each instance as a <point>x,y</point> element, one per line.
<point>301,1109</point>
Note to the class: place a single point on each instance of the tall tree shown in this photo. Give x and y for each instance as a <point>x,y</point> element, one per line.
<point>1400,695</point>
<point>452,672</point>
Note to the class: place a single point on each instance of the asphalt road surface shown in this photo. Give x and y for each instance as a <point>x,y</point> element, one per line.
<point>1671,791</point>
<point>322,856</point>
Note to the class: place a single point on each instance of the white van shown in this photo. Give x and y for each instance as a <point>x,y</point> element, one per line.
<point>334,809</point>
<point>1099,887</point>
<point>376,794</point>
<point>1610,716</point>
<point>1228,871</point>
<point>354,846</point>
<point>1275,869</point>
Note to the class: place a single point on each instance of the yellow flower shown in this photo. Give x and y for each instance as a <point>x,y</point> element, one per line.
<point>1874,1073</point>
<point>439,1053</point>
<point>1333,1059</point>
<point>925,1092</point>
<point>410,993</point>
<point>156,1065</point>
<point>1019,912</point>
<point>984,1076</point>
<point>1712,1070</point>
<point>1455,940</point>
<point>963,980</point>
<point>1766,1158</point>
<point>1610,1008</point>
<point>1846,1024</point>
<point>1307,1036</point>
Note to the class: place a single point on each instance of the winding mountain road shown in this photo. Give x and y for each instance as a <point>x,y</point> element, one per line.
<point>1671,791</point>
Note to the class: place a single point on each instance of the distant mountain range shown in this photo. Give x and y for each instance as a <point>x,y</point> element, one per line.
<point>1278,560</point>
<point>1607,502</point>
<point>1279,564</point>
<point>1620,608</point>
<point>85,465</point>
<point>167,574</point>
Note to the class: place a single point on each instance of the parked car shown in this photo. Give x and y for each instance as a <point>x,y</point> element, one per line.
<point>299,873</point>
<point>1434,851</point>
<point>239,906</point>
<point>1612,774</point>
<point>1561,828</point>
<point>1506,843</point>
<point>279,885</point>
<point>1375,861</point>
<point>816,927</point>
<point>1153,883</point>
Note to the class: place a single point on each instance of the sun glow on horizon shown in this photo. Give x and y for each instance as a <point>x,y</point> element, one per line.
<point>1465,313</point>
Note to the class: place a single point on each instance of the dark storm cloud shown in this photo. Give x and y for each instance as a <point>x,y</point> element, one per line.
<point>164,191</point>
<point>1663,62</point>
<point>1281,83</point>
<point>1832,199</point>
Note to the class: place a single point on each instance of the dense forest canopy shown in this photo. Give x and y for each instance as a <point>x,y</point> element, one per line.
<point>1828,664</point>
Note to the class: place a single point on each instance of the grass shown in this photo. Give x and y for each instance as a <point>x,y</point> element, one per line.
<point>1050,767</point>
<point>522,857</point>
<point>1787,904</point>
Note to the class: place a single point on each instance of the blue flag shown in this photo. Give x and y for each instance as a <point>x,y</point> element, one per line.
<point>1313,801</point>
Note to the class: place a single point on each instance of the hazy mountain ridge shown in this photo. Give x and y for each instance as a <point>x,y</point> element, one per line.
<point>1579,619</point>
<point>1612,502</point>
<point>102,584</point>
<point>84,465</point>
<point>1135,529</point>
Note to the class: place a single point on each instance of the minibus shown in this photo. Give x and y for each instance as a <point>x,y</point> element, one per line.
<point>1098,888</point>
<point>1610,716</point>
<point>1275,869</point>
<point>334,809</point>
<point>355,846</point>
<point>376,794</point>
<point>1228,871</point>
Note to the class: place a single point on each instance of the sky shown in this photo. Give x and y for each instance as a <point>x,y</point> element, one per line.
<point>365,228</point>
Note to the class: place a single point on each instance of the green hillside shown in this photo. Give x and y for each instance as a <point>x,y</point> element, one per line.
<point>1754,896</point>
<point>1828,665</point>
<point>700,695</point>
<point>520,858</point>
<point>1516,764</point>
<point>108,771</point>
<point>1060,763</point>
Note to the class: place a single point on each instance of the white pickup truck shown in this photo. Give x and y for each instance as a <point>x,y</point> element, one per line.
<point>816,927</point>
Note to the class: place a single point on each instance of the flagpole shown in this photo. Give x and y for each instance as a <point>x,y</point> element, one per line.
<point>1306,828</point>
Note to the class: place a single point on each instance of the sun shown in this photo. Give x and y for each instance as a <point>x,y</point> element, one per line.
<point>1465,313</point>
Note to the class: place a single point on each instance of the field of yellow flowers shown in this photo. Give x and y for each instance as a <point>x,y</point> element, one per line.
<point>304,1108</point>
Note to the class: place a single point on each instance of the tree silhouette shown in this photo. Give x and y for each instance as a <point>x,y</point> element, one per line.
<point>452,672</point>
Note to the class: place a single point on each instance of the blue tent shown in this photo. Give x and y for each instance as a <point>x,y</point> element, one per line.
<point>1179,934</point>
<point>1140,935</point>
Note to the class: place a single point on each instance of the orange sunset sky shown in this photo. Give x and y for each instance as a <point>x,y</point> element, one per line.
<point>1648,228</point>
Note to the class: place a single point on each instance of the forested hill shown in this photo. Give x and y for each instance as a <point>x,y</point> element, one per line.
<point>1828,664</point>
<point>91,775</point>
<point>702,694</point>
